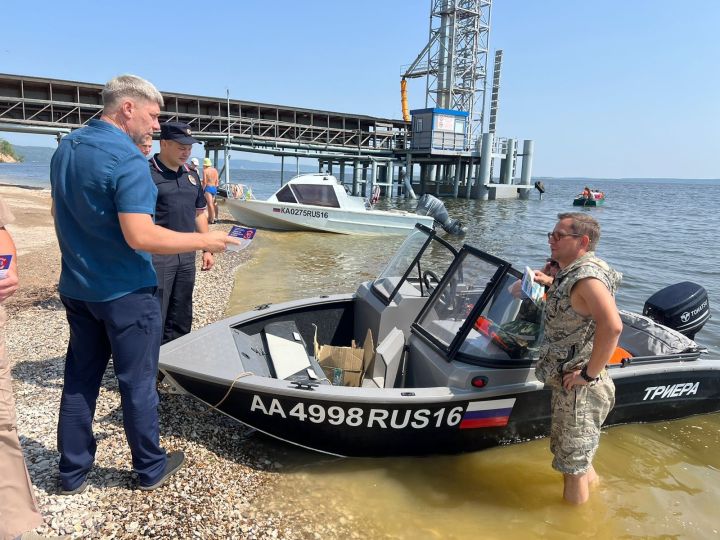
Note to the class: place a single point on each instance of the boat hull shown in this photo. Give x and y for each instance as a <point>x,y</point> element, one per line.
<point>293,217</point>
<point>380,427</point>
<point>580,201</point>
<point>363,422</point>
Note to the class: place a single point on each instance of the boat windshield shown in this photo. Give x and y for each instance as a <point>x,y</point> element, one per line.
<point>286,195</point>
<point>311,190</point>
<point>420,261</point>
<point>478,314</point>
<point>316,195</point>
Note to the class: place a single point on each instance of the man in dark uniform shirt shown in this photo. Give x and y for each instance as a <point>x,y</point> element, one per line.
<point>180,207</point>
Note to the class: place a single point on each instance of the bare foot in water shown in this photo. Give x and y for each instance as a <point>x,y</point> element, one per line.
<point>592,477</point>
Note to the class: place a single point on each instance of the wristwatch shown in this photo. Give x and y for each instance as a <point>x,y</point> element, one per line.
<point>586,377</point>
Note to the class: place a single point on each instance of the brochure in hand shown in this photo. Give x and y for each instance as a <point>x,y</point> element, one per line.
<point>244,234</point>
<point>532,290</point>
<point>5,261</point>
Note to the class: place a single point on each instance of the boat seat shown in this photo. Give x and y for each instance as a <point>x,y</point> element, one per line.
<point>288,354</point>
<point>619,355</point>
<point>386,364</point>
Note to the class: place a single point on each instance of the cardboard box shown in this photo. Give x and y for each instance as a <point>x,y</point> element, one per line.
<point>345,366</point>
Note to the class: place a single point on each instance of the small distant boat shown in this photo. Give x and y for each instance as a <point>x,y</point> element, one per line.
<point>589,198</point>
<point>319,202</point>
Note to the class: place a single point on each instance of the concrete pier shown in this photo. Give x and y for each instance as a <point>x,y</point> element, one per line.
<point>526,174</point>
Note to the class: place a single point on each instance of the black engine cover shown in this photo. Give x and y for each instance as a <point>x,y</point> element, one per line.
<point>683,307</point>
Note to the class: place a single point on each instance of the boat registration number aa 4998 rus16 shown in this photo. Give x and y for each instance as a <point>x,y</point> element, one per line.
<point>477,414</point>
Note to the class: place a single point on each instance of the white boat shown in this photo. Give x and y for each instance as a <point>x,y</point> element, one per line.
<point>318,202</point>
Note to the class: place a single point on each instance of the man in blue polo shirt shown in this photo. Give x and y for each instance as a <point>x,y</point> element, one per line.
<point>103,203</point>
<point>180,207</point>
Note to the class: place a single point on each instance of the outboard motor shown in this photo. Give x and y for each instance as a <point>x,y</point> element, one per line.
<point>683,307</point>
<point>431,206</point>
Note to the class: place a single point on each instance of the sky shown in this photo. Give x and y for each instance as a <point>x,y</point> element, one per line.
<point>612,89</point>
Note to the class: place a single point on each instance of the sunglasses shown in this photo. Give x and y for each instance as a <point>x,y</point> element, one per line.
<point>557,236</point>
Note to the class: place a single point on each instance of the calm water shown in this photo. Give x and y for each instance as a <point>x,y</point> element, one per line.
<point>658,480</point>
<point>655,232</point>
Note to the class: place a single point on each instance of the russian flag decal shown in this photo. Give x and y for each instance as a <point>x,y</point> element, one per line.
<point>495,413</point>
<point>276,209</point>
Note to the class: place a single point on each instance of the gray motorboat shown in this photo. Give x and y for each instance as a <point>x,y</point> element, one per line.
<point>449,367</point>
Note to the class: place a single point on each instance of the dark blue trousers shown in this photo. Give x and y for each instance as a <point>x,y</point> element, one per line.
<point>176,280</point>
<point>128,327</point>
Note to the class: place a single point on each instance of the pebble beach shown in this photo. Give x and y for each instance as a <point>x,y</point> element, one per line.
<point>228,466</point>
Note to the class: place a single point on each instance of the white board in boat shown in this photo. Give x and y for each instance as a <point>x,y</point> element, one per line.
<point>288,357</point>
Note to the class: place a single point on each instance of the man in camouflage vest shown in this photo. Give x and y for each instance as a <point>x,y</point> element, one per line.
<point>582,327</point>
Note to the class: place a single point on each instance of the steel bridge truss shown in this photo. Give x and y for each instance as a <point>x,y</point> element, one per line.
<point>47,104</point>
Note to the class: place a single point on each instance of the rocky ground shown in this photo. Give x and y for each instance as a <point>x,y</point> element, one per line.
<point>227,468</point>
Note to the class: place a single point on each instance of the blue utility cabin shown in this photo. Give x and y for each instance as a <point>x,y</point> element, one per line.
<point>439,131</point>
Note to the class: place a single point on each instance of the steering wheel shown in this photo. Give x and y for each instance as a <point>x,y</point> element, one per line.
<point>428,278</point>
<point>446,302</point>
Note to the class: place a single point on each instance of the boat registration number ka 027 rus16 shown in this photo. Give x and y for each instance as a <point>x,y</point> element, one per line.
<point>493,413</point>
<point>301,212</point>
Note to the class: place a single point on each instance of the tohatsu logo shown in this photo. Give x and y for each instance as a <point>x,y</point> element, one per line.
<point>687,315</point>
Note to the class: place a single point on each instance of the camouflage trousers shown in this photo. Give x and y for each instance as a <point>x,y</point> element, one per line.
<point>577,416</point>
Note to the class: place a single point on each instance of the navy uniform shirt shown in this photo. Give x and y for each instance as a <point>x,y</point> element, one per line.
<point>180,196</point>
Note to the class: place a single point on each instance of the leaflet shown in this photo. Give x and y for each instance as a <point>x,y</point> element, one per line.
<point>5,261</point>
<point>532,290</point>
<point>244,234</point>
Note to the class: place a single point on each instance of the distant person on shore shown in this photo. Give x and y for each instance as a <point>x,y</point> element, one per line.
<point>107,282</point>
<point>146,145</point>
<point>180,207</point>
<point>210,184</point>
<point>19,512</point>
<point>582,327</point>
<point>194,166</point>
